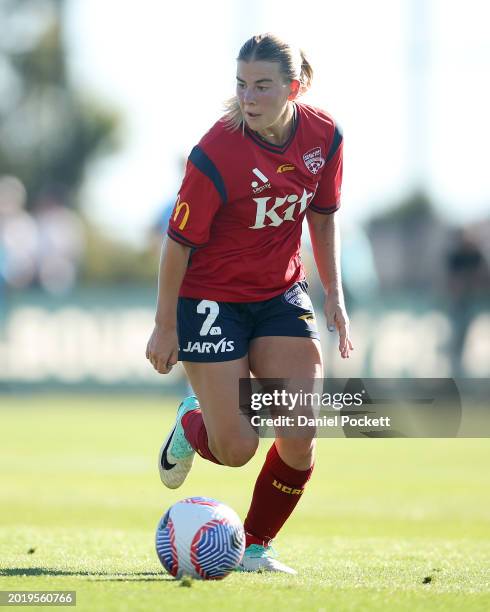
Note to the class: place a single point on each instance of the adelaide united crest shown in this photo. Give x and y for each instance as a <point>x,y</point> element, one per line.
<point>313,160</point>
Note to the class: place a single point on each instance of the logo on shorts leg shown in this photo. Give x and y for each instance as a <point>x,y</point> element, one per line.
<point>223,346</point>
<point>309,317</point>
<point>296,296</point>
<point>313,160</point>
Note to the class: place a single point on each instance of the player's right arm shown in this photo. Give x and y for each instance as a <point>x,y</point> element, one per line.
<point>201,195</point>
<point>162,348</point>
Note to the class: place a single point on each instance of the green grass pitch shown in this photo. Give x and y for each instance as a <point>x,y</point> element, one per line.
<point>384,524</point>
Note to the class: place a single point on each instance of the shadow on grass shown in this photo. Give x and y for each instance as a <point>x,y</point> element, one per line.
<point>96,576</point>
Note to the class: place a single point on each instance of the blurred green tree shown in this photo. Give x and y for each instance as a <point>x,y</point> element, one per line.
<point>413,208</point>
<point>49,131</point>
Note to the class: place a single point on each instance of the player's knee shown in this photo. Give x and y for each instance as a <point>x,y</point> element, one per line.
<point>237,455</point>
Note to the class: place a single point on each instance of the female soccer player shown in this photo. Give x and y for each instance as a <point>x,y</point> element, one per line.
<point>232,296</point>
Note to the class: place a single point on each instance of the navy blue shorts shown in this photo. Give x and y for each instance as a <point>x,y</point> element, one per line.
<point>221,331</point>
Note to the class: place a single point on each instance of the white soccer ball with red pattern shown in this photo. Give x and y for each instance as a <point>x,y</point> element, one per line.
<point>200,537</point>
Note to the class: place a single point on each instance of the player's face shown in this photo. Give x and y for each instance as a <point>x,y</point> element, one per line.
<point>262,93</point>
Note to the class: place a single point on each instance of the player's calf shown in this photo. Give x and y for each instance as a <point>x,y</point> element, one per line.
<point>235,452</point>
<point>298,453</point>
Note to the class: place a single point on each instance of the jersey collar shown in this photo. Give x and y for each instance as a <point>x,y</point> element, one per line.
<point>269,146</point>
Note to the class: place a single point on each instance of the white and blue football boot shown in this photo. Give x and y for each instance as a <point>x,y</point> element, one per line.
<point>176,454</point>
<point>259,558</point>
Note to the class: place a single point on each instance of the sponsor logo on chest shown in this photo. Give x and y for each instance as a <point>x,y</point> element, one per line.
<point>285,168</point>
<point>265,183</point>
<point>272,212</point>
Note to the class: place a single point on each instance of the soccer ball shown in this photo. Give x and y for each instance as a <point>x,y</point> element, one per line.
<point>200,537</point>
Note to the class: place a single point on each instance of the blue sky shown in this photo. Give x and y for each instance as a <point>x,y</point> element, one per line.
<point>407,79</point>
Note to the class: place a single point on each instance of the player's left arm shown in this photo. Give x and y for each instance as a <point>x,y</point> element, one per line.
<point>325,239</point>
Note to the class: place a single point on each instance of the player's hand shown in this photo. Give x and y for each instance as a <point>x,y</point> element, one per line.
<point>162,349</point>
<point>337,318</point>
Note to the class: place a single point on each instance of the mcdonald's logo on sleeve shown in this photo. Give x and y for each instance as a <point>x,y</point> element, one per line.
<point>181,207</point>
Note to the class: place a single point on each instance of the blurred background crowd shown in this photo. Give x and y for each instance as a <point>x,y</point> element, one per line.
<point>78,264</point>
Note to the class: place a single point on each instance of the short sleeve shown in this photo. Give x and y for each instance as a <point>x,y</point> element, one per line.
<point>199,199</point>
<point>327,196</point>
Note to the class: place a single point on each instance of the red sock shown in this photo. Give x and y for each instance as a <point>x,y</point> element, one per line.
<point>277,491</point>
<point>196,434</point>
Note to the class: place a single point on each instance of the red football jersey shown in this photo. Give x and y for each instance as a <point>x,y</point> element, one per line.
<point>242,203</point>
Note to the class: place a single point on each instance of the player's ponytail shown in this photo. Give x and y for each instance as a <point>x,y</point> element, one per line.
<point>306,73</point>
<point>270,48</point>
<point>233,114</point>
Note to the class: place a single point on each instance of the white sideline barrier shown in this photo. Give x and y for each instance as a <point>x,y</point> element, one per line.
<point>73,345</point>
